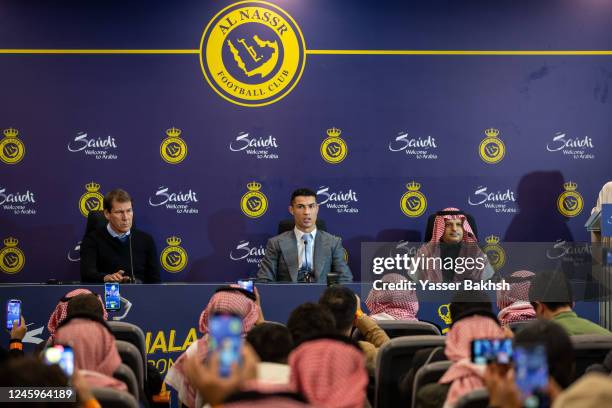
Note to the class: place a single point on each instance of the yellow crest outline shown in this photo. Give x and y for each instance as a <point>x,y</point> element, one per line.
<point>17,262</point>
<point>211,61</point>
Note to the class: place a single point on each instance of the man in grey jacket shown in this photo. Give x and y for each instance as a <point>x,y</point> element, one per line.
<point>303,254</point>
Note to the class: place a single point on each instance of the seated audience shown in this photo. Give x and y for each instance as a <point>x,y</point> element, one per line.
<point>330,372</point>
<point>345,308</point>
<point>514,304</point>
<point>94,348</point>
<point>272,343</point>
<point>232,300</point>
<point>590,391</point>
<point>559,350</point>
<point>551,297</point>
<point>473,318</point>
<point>393,304</point>
<point>500,381</point>
<point>452,238</point>
<point>32,372</point>
<point>241,388</point>
<point>308,320</point>
<point>61,310</point>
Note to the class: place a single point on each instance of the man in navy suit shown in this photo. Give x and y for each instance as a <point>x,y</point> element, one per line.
<point>303,254</point>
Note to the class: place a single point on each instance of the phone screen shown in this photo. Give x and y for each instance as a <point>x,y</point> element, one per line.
<point>486,351</point>
<point>226,341</point>
<point>531,366</point>
<point>112,298</point>
<point>13,312</point>
<point>246,285</point>
<point>62,356</point>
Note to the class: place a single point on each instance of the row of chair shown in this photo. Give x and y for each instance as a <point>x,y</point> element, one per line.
<point>130,342</point>
<point>395,358</point>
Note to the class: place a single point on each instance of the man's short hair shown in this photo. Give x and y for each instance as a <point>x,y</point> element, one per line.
<point>118,195</point>
<point>305,192</point>
<point>342,303</point>
<point>551,289</point>
<point>559,349</point>
<point>271,341</point>
<point>86,304</point>
<point>310,320</point>
<point>31,372</point>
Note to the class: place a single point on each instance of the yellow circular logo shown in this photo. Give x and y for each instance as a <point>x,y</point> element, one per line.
<point>570,202</point>
<point>254,203</point>
<point>92,200</point>
<point>333,148</point>
<point>492,150</point>
<point>444,313</point>
<point>12,149</point>
<point>495,253</point>
<point>173,149</point>
<point>413,202</point>
<point>12,258</point>
<point>173,258</point>
<point>252,53</point>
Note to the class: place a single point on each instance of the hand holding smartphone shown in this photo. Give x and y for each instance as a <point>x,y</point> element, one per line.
<point>13,313</point>
<point>247,285</point>
<point>531,367</point>
<point>61,355</point>
<point>225,340</point>
<point>485,351</point>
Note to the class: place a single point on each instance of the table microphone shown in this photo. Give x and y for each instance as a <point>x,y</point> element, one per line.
<point>132,277</point>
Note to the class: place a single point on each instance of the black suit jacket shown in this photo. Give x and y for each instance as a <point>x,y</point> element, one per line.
<point>101,254</point>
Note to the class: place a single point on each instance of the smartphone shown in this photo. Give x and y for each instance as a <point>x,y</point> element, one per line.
<point>531,373</point>
<point>225,339</point>
<point>112,298</point>
<point>61,355</point>
<point>13,312</point>
<point>486,351</point>
<point>247,285</point>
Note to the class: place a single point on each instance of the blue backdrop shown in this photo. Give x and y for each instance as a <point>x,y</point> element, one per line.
<point>117,76</point>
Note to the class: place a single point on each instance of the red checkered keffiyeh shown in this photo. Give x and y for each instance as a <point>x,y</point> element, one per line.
<point>329,373</point>
<point>469,249</point>
<point>514,304</point>
<point>401,305</point>
<point>59,314</point>
<point>519,289</point>
<point>439,226</point>
<point>221,302</point>
<point>463,375</point>
<point>232,303</point>
<point>95,351</point>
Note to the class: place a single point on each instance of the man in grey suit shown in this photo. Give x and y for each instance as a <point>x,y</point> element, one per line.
<point>303,254</point>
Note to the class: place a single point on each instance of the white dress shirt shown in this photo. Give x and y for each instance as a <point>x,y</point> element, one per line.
<point>302,248</point>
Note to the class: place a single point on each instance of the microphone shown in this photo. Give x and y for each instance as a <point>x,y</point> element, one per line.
<point>132,278</point>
